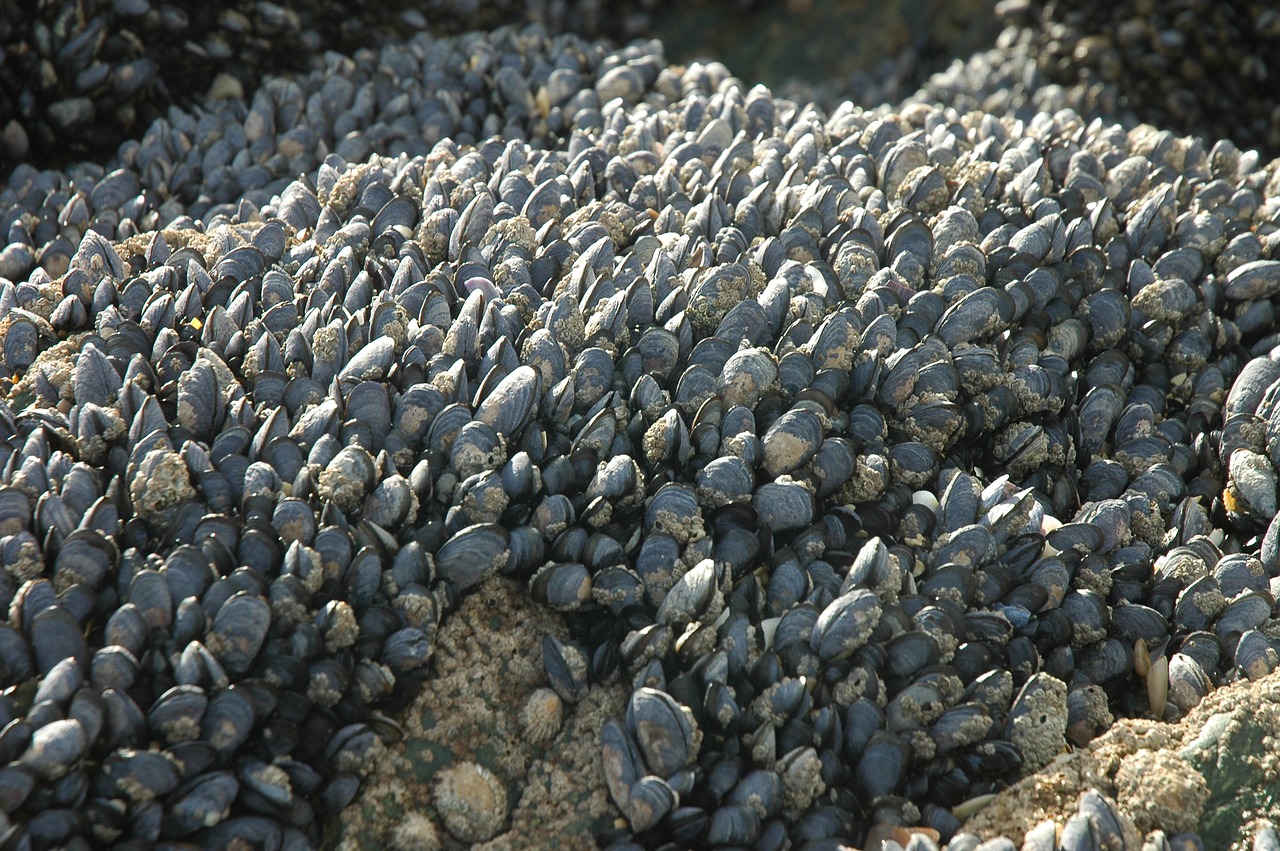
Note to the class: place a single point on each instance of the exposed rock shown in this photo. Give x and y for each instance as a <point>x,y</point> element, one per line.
<point>488,663</point>
<point>1214,772</point>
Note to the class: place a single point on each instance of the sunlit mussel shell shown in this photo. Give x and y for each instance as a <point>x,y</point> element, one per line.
<point>724,481</point>
<point>1037,720</point>
<point>510,406</point>
<point>618,483</point>
<point>784,504</point>
<point>664,731</point>
<point>845,625</point>
<point>349,478</point>
<point>695,597</point>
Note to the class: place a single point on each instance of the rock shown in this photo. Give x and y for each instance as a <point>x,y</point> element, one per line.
<point>488,664</point>
<point>1213,773</point>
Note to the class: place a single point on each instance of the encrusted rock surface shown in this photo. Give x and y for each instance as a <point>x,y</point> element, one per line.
<point>1215,772</point>
<point>488,664</point>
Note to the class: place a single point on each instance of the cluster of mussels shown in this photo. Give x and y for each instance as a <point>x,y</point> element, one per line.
<point>1172,64</point>
<point>79,77</point>
<point>883,454</point>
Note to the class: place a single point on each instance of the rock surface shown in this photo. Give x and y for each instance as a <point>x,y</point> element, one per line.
<point>1215,772</point>
<point>488,664</point>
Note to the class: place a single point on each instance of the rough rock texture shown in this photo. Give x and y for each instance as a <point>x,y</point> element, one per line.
<point>487,664</point>
<point>1161,791</point>
<point>1214,772</point>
